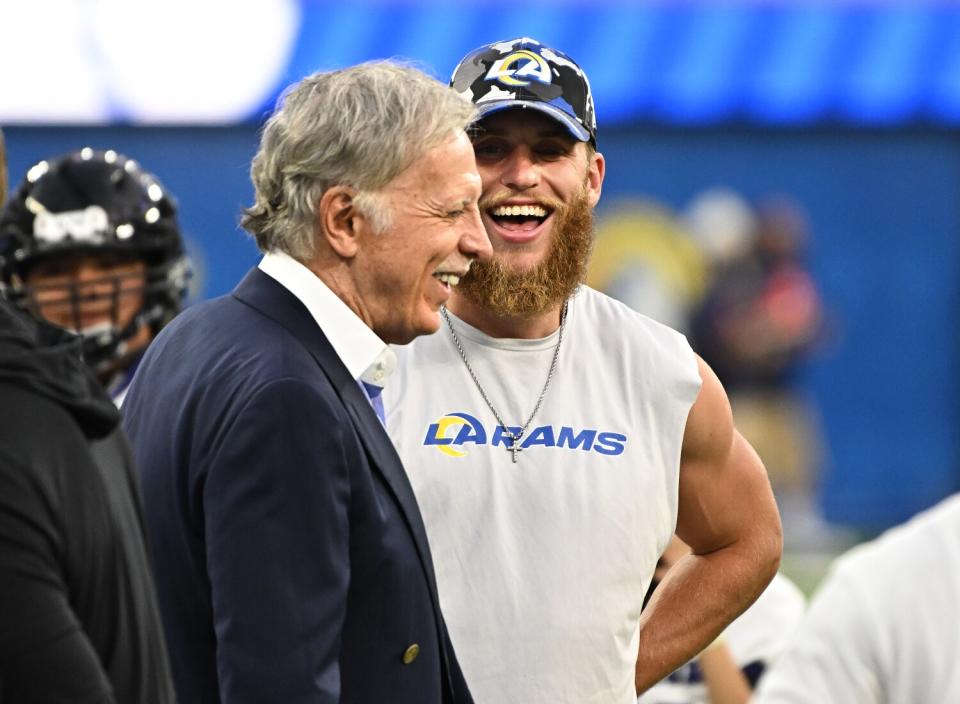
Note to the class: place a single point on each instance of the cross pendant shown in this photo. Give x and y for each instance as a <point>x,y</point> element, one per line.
<point>514,448</point>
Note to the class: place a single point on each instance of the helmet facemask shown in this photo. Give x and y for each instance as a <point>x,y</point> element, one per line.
<point>90,242</point>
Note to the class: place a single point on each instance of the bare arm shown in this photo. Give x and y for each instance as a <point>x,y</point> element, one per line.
<point>725,681</point>
<point>728,516</point>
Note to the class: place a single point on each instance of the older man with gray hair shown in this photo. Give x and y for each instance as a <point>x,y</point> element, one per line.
<point>290,555</point>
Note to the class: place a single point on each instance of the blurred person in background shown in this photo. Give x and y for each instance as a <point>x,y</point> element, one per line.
<point>556,439</point>
<point>763,313</point>
<point>90,242</point>
<point>291,556</point>
<point>761,318</point>
<point>884,625</point>
<point>728,670</point>
<point>645,259</point>
<point>78,614</point>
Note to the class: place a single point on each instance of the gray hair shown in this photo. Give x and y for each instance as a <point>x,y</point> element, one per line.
<point>361,127</point>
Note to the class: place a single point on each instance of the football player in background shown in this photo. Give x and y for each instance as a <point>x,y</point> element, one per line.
<point>78,612</point>
<point>90,242</point>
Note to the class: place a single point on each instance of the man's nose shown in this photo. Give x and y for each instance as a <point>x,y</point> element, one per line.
<point>474,241</point>
<point>93,281</point>
<point>520,170</point>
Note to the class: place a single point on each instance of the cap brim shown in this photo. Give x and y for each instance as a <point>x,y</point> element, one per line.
<point>576,130</point>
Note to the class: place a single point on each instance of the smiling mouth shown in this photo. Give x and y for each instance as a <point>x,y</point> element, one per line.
<point>447,278</point>
<point>450,278</point>
<point>519,218</point>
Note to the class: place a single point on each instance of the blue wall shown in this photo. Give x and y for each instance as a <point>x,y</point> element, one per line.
<point>884,212</point>
<point>885,221</point>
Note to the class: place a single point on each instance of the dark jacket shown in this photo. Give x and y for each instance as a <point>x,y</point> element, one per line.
<point>291,557</point>
<point>78,615</point>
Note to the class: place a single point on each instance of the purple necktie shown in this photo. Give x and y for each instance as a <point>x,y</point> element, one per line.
<point>376,400</point>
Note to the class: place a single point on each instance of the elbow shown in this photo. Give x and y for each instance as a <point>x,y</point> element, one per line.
<point>763,547</point>
<point>770,548</point>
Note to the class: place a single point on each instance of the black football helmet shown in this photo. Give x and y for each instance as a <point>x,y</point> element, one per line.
<point>96,202</point>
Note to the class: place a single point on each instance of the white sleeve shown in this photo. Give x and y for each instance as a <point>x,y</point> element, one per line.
<point>832,657</point>
<point>763,631</point>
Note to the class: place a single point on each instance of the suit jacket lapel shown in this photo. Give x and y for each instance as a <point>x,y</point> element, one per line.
<point>386,459</point>
<point>270,298</point>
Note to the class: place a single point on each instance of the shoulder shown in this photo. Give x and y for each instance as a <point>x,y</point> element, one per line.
<point>46,462</point>
<point>204,331</point>
<point>29,421</point>
<point>864,589</point>
<point>920,555</point>
<point>651,352</point>
<point>598,309</point>
<point>880,612</point>
<point>710,431</point>
<point>223,339</point>
<point>206,318</point>
<point>216,364</point>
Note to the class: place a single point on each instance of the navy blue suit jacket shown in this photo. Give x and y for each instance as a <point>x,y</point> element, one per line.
<point>290,555</point>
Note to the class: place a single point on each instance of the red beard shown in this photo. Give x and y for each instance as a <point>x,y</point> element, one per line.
<point>496,286</point>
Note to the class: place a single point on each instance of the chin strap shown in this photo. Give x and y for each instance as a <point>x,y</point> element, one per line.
<point>104,344</point>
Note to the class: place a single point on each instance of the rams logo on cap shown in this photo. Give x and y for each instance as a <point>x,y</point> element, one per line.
<point>520,68</point>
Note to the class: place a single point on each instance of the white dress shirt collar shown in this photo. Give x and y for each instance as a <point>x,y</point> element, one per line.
<point>366,356</point>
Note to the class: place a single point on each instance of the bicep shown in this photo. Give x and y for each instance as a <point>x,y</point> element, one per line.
<point>276,528</point>
<point>723,489</point>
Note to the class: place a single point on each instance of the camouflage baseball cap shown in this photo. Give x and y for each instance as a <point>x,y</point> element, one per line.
<point>525,73</point>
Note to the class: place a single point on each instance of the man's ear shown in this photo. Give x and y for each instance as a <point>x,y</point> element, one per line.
<point>596,170</point>
<point>340,221</point>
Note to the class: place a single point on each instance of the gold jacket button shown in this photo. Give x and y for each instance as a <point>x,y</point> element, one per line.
<point>410,654</point>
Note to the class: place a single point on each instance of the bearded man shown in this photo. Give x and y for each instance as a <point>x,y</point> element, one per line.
<point>556,439</point>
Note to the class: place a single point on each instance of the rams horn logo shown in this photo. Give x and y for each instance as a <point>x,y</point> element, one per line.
<point>470,430</point>
<point>520,68</point>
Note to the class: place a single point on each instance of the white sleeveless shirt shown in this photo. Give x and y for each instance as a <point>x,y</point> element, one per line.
<point>542,564</point>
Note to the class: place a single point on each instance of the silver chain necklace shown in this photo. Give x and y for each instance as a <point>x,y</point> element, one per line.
<point>515,438</point>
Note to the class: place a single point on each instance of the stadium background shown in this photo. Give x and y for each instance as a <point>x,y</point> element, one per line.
<point>850,109</point>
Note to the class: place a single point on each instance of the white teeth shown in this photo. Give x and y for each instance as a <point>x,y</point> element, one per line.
<point>451,279</point>
<point>533,210</point>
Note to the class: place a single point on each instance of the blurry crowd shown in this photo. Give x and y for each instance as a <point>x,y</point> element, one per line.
<point>735,277</point>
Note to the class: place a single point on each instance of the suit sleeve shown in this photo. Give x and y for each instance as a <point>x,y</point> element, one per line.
<point>277,535</point>
<point>44,652</point>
